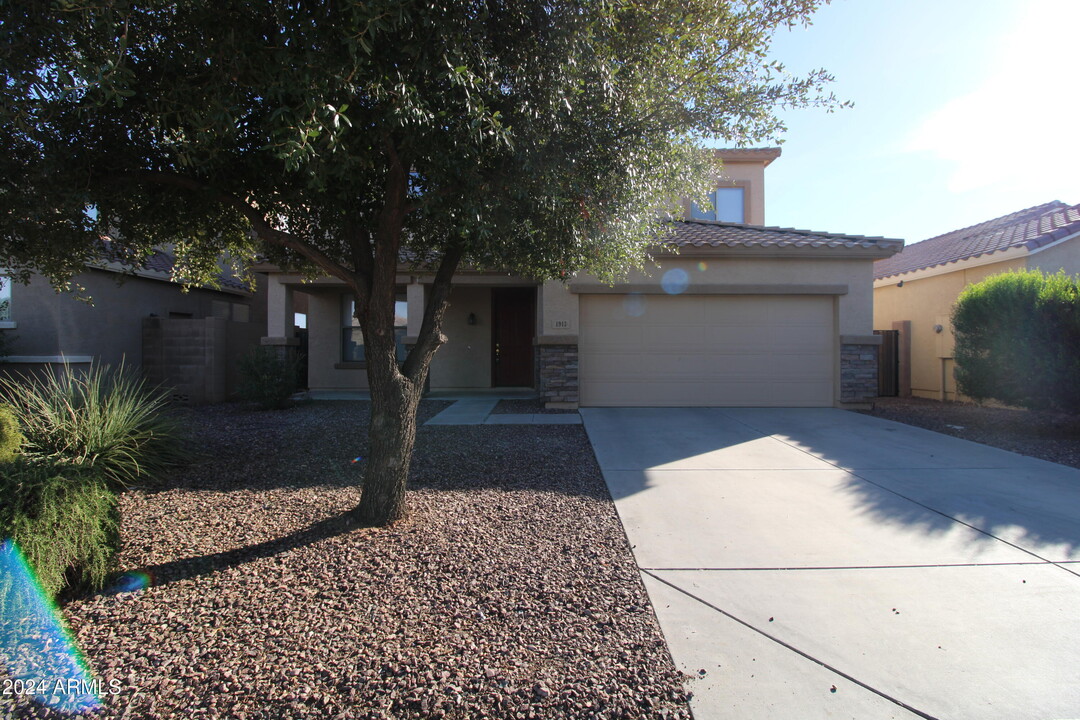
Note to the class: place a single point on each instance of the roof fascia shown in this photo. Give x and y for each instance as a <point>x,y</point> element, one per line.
<point>115,267</point>
<point>822,253</point>
<point>1057,242</point>
<point>989,258</point>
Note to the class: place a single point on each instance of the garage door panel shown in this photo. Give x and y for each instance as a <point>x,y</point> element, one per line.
<point>679,364</point>
<point>706,350</point>
<point>675,337</point>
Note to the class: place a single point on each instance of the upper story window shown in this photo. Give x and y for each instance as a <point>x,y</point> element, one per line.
<point>729,205</point>
<point>352,339</point>
<point>5,299</point>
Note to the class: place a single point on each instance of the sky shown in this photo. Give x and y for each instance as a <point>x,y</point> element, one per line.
<point>964,110</point>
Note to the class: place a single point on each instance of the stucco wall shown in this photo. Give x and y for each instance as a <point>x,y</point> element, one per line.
<point>1065,256</point>
<point>465,360</point>
<point>927,302</point>
<point>324,344</point>
<point>854,308</point>
<point>50,324</point>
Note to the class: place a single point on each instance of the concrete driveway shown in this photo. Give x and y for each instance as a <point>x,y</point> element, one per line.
<point>818,563</point>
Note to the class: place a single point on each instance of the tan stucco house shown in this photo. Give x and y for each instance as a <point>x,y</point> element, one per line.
<point>189,341</point>
<point>732,314</point>
<point>915,290</point>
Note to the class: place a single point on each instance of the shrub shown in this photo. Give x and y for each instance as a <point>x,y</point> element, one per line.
<point>11,439</point>
<point>64,519</point>
<point>268,377</point>
<point>1018,340</point>
<point>103,419</point>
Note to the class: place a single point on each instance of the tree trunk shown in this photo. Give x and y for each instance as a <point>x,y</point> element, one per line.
<point>391,437</point>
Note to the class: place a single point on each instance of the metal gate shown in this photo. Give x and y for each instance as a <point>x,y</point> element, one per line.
<point>888,363</point>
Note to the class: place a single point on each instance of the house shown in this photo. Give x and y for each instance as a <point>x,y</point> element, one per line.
<point>732,313</point>
<point>914,290</point>
<point>189,341</point>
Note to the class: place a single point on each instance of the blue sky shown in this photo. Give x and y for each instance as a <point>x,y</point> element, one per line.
<point>964,110</point>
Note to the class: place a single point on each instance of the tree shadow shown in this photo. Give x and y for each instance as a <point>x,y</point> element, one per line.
<point>202,565</point>
<point>896,473</point>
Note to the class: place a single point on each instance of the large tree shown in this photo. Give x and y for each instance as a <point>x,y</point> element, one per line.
<point>337,138</point>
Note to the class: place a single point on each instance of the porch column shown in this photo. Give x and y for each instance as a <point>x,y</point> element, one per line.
<point>279,313</point>
<point>414,296</point>
<point>557,346</point>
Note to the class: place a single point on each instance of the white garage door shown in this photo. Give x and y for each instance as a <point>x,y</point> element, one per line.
<point>706,350</point>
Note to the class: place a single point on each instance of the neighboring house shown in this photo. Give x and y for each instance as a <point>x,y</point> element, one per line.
<point>742,315</point>
<point>190,341</point>
<point>915,290</point>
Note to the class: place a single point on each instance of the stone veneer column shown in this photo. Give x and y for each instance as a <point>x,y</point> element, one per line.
<point>858,372</point>
<point>558,363</point>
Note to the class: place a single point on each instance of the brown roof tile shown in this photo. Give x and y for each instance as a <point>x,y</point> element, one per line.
<point>712,233</point>
<point>1031,228</point>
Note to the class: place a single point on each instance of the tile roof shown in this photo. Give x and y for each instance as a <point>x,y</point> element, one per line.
<point>162,263</point>
<point>712,233</point>
<point>1031,228</point>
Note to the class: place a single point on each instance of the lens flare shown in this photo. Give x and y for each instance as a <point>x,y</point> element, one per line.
<point>634,304</point>
<point>132,582</point>
<point>675,281</point>
<point>702,266</point>
<point>36,647</point>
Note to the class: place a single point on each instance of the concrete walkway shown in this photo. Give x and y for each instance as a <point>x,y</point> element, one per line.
<point>477,411</point>
<point>819,563</point>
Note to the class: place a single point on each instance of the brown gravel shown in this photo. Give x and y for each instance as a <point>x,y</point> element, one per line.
<point>1049,436</point>
<point>533,406</point>
<point>509,592</point>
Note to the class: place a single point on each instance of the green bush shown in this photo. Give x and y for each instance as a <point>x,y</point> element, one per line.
<point>1018,340</point>
<point>11,439</point>
<point>64,519</point>
<point>102,419</point>
<point>268,377</point>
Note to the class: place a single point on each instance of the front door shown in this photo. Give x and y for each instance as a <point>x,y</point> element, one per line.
<point>513,320</point>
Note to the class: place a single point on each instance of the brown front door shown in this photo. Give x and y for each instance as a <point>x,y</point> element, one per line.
<point>513,320</point>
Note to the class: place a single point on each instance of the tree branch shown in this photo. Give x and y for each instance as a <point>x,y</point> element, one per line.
<point>259,223</point>
<point>430,336</point>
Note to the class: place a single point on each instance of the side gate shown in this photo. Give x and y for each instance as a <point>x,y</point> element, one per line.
<point>888,363</point>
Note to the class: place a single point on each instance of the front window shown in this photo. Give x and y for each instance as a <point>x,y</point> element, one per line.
<point>352,339</point>
<point>5,299</point>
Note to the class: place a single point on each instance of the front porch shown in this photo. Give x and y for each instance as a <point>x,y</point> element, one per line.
<point>496,341</point>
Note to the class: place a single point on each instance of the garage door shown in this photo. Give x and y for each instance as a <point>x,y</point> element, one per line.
<point>706,350</point>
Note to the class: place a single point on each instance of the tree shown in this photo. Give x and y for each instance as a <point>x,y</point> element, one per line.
<point>1017,336</point>
<point>542,138</point>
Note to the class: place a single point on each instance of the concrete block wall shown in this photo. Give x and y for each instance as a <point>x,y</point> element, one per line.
<point>858,373</point>
<point>189,356</point>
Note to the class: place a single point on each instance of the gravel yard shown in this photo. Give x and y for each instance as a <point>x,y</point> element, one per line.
<point>509,592</point>
<point>1048,436</point>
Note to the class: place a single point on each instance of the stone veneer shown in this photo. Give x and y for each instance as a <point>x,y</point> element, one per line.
<point>858,373</point>
<point>558,373</point>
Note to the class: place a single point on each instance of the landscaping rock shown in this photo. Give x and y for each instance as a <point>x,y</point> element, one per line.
<point>508,591</point>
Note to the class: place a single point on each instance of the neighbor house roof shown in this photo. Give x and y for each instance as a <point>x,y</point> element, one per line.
<point>712,233</point>
<point>1031,228</point>
<point>160,266</point>
<point>163,262</point>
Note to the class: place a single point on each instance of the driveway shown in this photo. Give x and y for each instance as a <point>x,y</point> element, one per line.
<point>818,563</point>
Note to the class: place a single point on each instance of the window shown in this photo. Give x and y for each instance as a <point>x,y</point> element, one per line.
<point>5,299</point>
<point>729,205</point>
<point>352,339</point>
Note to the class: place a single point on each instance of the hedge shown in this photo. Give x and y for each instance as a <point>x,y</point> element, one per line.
<point>1018,340</point>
